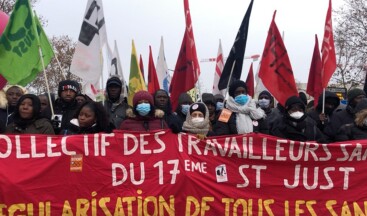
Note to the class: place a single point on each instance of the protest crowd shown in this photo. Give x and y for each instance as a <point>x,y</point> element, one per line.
<point>211,115</point>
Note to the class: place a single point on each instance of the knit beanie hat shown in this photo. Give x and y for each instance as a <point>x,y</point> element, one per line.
<point>143,95</point>
<point>114,81</point>
<point>235,85</point>
<point>208,98</point>
<point>184,98</point>
<point>68,84</point>
<point>353,93</point>
<point>294,100</point>
<point>218,97</point>
<point>198,106</point>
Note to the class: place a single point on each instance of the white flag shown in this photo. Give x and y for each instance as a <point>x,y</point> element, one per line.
<point>259,84</point>
<point>115,69</point>
<point>164,78</point>
<point>218,70</point>
<point>87,62</point>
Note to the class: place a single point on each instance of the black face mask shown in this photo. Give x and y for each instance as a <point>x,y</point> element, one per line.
<point>328,110</point>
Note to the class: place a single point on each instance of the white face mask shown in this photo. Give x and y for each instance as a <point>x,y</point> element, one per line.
<point>296,115</point>
<point>197,120</point>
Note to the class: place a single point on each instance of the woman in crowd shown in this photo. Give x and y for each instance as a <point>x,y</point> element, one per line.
<point>27,118</point>
<point>241,115</point>
<point>90,118</point>
<point>197,121</point>
<point>143,116</point>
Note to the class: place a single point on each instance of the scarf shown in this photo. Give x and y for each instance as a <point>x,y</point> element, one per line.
<point>197,127</point>
<point>245,114</point>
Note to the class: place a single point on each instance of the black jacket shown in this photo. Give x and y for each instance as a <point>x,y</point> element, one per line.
<point>67,111</point>
<point>337,120</point>
<point>304,130</point>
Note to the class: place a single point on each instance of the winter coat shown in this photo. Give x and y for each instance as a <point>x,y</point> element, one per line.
<point>356,130</point>
<point>39,126</point>
<point>116,111</point>
<point>222,128</point>
<point>74,128</point>
<point>66,110</point>
<point>307,131</point>
<point>143,123</point>
<point>351,132</point>
<point>6,118</point>
<point>337,120</point>
<point>314,113</point>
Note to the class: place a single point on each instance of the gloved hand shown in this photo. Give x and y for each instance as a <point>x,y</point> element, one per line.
<point>56,123</point>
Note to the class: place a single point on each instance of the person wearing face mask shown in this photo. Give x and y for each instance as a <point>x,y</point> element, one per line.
<point>184,102</point>
<point>295,125</point>
<point>143,116</point>
<point>219,102</point>
<point>9,97</point>
<point>358,129</point>
<point>197,121</point>
<point>27,119</point>
<point>266,102</point>
<point>332,101</point>
<point>241,116</point>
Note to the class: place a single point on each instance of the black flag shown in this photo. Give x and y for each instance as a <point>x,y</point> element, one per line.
<point>237,53</point>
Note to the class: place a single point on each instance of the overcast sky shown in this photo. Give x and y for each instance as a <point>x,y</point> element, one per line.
<point>146,21</point>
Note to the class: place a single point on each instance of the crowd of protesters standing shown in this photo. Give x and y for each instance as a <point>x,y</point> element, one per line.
<point>212,115</point>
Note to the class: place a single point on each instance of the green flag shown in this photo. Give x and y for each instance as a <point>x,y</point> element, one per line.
<point>20,60</point>
<point>136,81</point>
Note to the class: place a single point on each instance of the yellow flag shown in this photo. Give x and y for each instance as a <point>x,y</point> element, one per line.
<point>136,81</point>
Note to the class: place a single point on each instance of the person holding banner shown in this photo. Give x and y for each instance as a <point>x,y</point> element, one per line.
<point>143,116</point>
<point>295,125</point>
<point>197,121</point>
<point>91,117</point>
<point>27,119</point>
<point>358,129</point>
<point>241,116</point>
<point>9,97</point>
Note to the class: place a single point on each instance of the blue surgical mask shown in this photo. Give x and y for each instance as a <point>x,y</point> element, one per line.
<point>241,99</point>
<point>219,106</point>
<point>143,109</point>
<point>185,108</point>
<point>264,103</point>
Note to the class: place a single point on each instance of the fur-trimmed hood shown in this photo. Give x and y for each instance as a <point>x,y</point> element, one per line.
<point>3,100</point>
<point>158,113</point>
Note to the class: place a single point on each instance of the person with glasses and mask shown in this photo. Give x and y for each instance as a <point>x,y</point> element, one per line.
<point>143,116</point>
<point>295,125</point>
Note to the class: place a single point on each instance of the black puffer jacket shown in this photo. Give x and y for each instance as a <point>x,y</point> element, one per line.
<point>303,130</point>
<point>314,113</point>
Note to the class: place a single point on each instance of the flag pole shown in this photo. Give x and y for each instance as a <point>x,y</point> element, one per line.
<point>44,69</point>
<point>230,77</point>
<point>61,70</point>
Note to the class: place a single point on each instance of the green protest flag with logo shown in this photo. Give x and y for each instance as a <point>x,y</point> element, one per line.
<point>20,60</point>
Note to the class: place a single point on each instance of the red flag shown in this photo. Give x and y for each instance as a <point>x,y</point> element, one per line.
<point>250,82</point>
<point>275,70</point>
<point>328,50</point>
<point>314,84</point>
<point>141,65</point>
<point>187,68</point>
<point>153,84</point>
